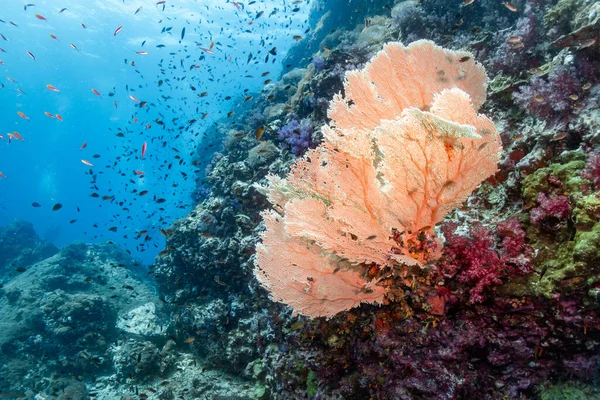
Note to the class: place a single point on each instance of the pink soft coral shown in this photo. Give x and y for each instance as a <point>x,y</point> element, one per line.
<point>404,147</point>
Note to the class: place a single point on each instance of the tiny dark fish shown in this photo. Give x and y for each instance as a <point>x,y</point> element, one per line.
<point>182,33</point>
<point>35,204</point>
<point>57,207</point>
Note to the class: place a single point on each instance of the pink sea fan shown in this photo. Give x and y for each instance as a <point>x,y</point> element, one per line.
<point>404,147</point>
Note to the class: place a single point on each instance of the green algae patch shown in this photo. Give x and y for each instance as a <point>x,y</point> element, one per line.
<point>568,391</point>
<point>311,384</point>
<point>568,173</point>
<point>586,211</point>
<point>566,259</point>
<point>587,246</point>
<point>560,266</point>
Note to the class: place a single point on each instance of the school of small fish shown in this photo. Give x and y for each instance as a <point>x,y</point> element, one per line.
<point>170,138</point>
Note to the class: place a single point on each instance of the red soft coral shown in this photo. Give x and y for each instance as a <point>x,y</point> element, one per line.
<point>479,262</point>
<point>552,212</point>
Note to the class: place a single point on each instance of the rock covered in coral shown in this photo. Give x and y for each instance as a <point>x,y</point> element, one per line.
<point>138,360</point>
<point>66,307</point>
<point>20,247</point>
<point>144,321</point>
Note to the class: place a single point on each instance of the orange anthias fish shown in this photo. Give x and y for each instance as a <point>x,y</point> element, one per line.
<point>53,36</point>
<point>20,114</point>
<point>48,114</point>
<point>58,116</point>
<point>38,16</point>
<point>237,5</point>
<point>132,97</point>
<point>144,148</point>
<point>511,6</point>
<point>119,29</point>
<point>209,51</point>
<point>17,135</point>
<point>97,93</point>
<point>52,88</point>
<point>138,172</point>
<point>2,175</point>
<point>86,162</point>
<point>83,146</point>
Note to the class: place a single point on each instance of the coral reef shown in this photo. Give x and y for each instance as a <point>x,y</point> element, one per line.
<point>88,322</point>
<point>505,307</point>
<point>509,305</point>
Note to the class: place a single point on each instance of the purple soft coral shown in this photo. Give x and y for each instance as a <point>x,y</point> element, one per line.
<point>513,57</point>
<point>591,172</point>
<point>297,136</point>
<point>552,97</point>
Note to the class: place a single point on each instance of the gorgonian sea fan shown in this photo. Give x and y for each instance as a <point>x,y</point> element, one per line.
<point>404,147</point>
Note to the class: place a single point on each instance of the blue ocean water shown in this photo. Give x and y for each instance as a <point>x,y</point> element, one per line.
<point>155,98</point>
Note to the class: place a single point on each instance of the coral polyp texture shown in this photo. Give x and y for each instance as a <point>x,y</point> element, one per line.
<point>404,147</point>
